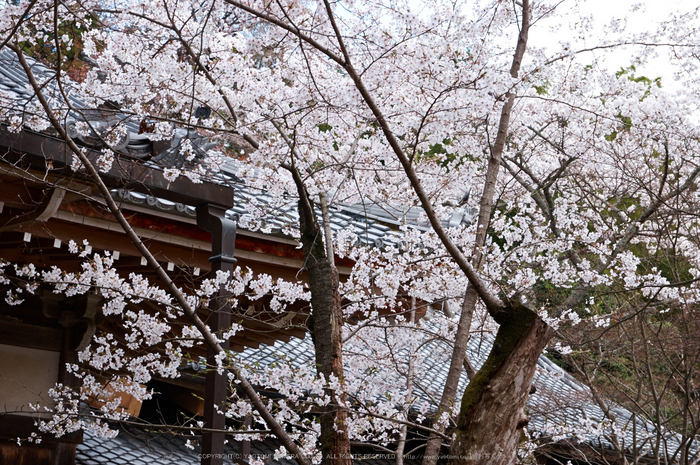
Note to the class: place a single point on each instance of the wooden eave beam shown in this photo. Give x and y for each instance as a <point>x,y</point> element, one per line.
<point>17,333</point>
<point>34,151</point>
<point>44,209</point>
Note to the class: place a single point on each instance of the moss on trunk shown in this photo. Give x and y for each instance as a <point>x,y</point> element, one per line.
<point>492,412</point>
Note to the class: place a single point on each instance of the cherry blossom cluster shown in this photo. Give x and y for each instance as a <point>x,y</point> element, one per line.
<point>598,177</point>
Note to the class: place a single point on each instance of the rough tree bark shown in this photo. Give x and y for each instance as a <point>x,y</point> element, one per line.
<point>486,204</point>
<point>492,414</point>
<point>325,323</point>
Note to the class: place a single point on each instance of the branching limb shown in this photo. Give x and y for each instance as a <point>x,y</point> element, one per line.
<point>209,338</point>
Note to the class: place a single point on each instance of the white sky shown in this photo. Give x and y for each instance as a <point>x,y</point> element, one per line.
<point>645,18</point>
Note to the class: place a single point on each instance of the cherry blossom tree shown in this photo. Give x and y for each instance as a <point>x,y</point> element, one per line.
<point>401,106</point>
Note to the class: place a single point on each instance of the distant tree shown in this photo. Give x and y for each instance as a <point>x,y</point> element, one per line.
<point>646,360</point>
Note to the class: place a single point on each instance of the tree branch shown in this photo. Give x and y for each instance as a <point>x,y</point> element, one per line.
<point>209,337</point>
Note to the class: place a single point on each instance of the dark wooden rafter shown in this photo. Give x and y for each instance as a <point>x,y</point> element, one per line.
<point>261,324</point>
<point>44,209</point>
<point>28,150</point>
<point>17,333</point>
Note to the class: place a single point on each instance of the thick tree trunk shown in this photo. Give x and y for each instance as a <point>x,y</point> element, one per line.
<point>326,327</point>
<point>492,415</point>
<point>327,336</point>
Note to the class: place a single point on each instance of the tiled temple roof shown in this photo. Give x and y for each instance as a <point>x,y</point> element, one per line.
<point>374,224</point>
<point>559,400</point>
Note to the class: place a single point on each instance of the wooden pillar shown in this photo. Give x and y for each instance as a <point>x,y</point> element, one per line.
<point>223,232</point>
<point>244,446</point>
